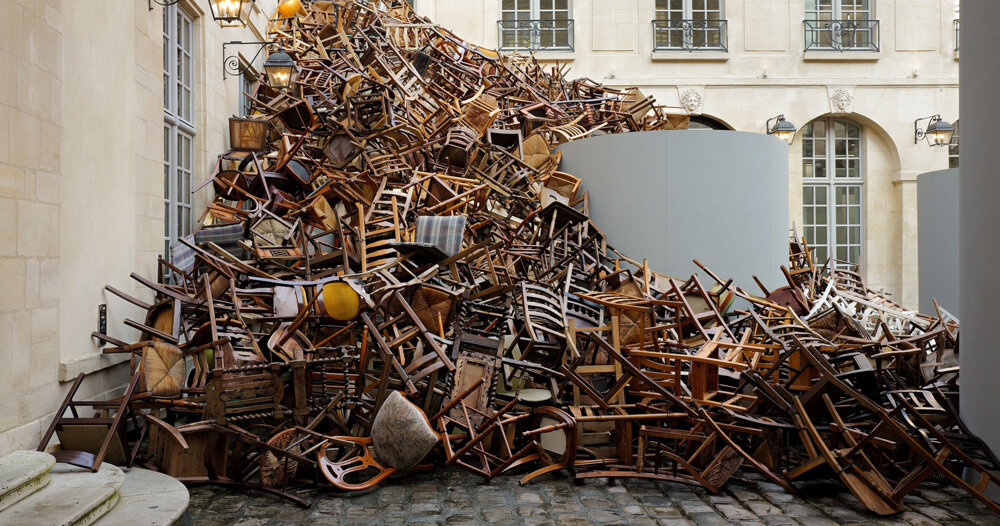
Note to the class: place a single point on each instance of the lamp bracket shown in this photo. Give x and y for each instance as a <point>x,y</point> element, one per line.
<point>918,132</point>
<point>768,125</point>
<point>164,3</point>
<point>232,64</point>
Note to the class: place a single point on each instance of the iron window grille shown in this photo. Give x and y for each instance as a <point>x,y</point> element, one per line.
<point>690,35</point>
<point>536,35</point>
<point>841,35</point>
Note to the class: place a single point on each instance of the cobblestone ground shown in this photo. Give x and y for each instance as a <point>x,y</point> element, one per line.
<point>456,497</point>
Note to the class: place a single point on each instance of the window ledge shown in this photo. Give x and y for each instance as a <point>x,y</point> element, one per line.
<point>551,56</point>
<point>90,363</point>
<point>841,56</point>
<point>689,56</point>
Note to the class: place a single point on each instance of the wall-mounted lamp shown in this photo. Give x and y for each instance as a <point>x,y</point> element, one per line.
<point>231,13</point>
<point>937,133</point>
<point>781,128</point>
<point>280,69</point>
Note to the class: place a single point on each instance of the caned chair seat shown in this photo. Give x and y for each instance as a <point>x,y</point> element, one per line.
<point>163,369</point>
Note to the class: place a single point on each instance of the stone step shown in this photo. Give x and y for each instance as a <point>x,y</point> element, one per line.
<point>23,473</point>
<point>147,498</point>
<point>75,496</point>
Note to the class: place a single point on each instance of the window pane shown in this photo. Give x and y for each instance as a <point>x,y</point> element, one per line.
<point>820,147</point>
<point>819,129</point>
<point>820,169</point>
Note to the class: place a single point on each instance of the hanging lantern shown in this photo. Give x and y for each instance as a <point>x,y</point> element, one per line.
<point>231,13</point>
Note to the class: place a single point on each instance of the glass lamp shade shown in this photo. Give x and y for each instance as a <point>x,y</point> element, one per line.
<point>783,130</point>
<point>280,70</point>
<point>939,133</point>
<point>231,13</point>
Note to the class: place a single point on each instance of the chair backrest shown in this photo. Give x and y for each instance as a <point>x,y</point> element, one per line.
<point>444,232</point>
<point>244,392</point>
<point>544,312</point>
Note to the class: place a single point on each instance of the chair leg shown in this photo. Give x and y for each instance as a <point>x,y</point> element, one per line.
<point>59,413</point>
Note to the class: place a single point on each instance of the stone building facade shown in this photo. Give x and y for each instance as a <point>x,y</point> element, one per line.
<point>83,125</point>
<point>859,71</point>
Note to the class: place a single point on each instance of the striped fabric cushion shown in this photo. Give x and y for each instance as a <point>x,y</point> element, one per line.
<point>444,232</point>
<point>181,255</point>
<point>225,236</point>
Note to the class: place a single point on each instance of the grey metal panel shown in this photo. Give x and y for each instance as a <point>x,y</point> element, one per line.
<point>672,196</point>
<point>979,222</point>
<point>937,220</point>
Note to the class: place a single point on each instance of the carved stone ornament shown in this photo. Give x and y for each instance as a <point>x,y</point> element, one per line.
<point>691,100</point>
<point>842,101</point>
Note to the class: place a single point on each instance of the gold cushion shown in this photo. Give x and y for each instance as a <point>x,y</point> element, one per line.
<point>341,301</point>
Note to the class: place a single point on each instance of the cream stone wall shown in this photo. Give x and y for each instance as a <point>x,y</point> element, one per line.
<point>81,183</point>
<point>766,72</point>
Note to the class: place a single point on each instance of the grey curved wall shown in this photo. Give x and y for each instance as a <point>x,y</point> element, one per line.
<point>672,196</point>
<point>937,220</point>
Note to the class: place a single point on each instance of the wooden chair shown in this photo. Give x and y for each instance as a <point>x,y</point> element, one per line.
<point>88,441</point>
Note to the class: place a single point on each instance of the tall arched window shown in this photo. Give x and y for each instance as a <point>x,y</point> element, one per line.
<point>832,181</point>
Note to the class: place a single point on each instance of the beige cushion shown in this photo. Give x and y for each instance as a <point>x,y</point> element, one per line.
<point>401,434</point>
<point>163,369</point>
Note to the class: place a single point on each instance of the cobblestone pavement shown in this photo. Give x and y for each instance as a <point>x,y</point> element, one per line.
<point>456,497</point>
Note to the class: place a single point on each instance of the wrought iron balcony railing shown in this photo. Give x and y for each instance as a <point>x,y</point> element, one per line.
<point>536,35</point>
<point>690,35</point>
<point>841,35</point>
<point>956,35</point>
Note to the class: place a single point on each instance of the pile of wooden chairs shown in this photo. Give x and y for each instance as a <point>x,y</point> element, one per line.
<point>393,274</point>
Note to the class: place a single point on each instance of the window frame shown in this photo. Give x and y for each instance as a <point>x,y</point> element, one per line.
<point>829,185</point>
<point>954,157</point>
<point>533,26</point>
<point>247,80</point>
<point>687,26</point>
<point>179,131</point>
